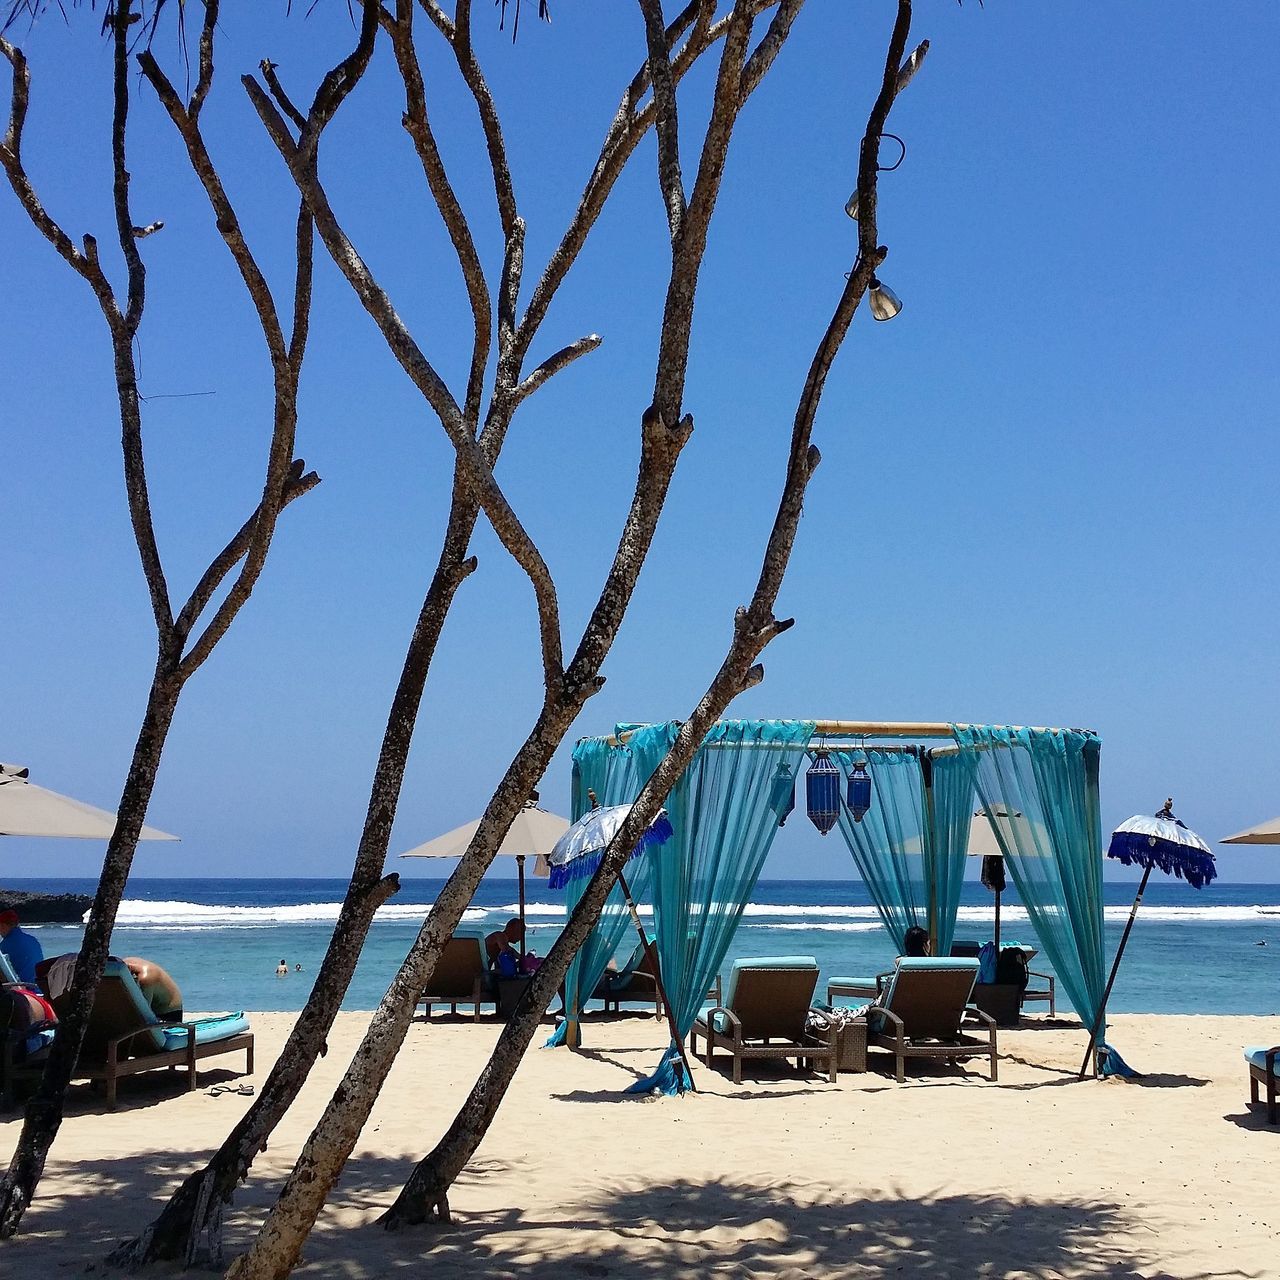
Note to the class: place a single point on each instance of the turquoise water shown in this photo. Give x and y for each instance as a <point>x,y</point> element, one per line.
<point>222,939</point>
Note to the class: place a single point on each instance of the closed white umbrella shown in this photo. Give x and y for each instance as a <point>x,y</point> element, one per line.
<point>29,810</point>
<point>533,834</point>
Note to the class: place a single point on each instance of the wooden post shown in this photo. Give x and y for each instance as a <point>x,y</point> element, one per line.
<point>520,876</point>
<point>929,848</point>
<point>1106,995</point>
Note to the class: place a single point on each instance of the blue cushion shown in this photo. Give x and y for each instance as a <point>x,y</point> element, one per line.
<point>718,1021</point>
<point>208,1030</point>
<point>865,981</point>
<point>1256,1056</point>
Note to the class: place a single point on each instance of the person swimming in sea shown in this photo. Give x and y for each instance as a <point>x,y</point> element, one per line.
<point>282,969</point>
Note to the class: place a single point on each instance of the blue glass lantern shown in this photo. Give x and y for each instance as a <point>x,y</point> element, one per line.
<point>822,791</point>
<point>859,796</point>
<point>782,793</point>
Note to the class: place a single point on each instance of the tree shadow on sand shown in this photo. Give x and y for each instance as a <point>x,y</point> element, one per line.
<point>768,1230</point>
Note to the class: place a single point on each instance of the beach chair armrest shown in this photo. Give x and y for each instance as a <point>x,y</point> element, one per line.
<point>881,978</point>
<point>117,1041</point>
<point>899,1027</point>
<point>978,1014</point>
<point>735,1023</point>
<point>1270,1058</point>
<point>1045,977</point>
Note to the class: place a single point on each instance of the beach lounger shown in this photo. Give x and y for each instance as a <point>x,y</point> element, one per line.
<point>924,1012</point>
<point>6,970</point>
<point>635,983</point>
<point>125,1038</point>
<point>461,976</point>
<point>764,1015</point>
<point>1264,1070</point>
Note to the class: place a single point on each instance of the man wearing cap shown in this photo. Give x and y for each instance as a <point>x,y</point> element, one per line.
<point>21,950</point>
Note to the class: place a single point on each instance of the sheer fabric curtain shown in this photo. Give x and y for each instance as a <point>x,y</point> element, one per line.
<point>611,772</point>
<point>887,845</point>
<point>724,817</point>
<point>948,815</point>
<point>1054,850</point>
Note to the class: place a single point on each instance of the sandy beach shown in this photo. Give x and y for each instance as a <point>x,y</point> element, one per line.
<point>785,1175</point>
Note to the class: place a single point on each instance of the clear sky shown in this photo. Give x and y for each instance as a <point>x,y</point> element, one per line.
<point>1047,494</point>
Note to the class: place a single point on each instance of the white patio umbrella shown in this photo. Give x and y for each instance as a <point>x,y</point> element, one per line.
<point>1263,833</point>
<point>29,810</point>
<point>533,834</point>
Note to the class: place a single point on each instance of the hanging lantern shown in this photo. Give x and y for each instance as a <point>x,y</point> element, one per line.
<point>822,791</point>
<point>859,797</point>
<point>782,793</point>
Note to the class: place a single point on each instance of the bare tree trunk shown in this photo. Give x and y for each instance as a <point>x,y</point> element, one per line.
<point>425,1195</point>
<point>44,1110</point>
<point>182,647</point>
<point>189,1226</point>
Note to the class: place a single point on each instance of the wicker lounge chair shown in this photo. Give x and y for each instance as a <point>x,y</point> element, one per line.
<point>125,1038</point>
<point>924,1012</point>
<point>1264,1070</point>
<point>461,976</point>
<point>635,983</point>
<point>764,1015</point>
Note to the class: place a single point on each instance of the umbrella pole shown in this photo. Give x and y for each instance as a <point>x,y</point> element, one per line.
<point>997,920</point>
<point>652,955</point>
<point>1115,967</point>
<point>520,877</point>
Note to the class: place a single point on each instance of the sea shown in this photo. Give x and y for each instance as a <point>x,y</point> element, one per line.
<point>1212,951</point>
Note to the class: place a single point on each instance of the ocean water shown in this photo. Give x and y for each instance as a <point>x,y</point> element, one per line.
<point>222,939</point>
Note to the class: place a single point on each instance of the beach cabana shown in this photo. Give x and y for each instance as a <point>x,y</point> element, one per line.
<point>908,838</point>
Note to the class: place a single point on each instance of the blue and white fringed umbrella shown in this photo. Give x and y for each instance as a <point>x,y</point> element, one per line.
<point>579,851</point>
<point>577,855</point>
<point>1163,842</point>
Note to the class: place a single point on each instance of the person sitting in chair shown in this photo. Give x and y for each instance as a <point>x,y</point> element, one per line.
<point>21,950</point>
<point>915,942</point>
<point>500,947</point>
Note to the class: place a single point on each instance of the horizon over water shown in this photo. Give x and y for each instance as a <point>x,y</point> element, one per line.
<point>221,938</point>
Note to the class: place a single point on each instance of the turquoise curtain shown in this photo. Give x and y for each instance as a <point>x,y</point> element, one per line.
<point>888,843</point>
<point>949,801</point>
<point>1053,847</point>
<point>724,819</point>
<point>611,772</point>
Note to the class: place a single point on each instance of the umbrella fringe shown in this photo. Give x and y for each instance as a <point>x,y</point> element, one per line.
<point>584,867</point>
<point>1132,848</point>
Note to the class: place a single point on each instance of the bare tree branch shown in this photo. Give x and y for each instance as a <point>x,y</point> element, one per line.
<point>458,34</point>
<point>419,129</point>
<point>664,97</point>
<point>553,364</point>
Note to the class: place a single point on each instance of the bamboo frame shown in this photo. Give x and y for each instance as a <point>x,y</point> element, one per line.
<point>883,729</point>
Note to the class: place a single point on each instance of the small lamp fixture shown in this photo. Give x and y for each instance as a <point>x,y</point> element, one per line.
<point>782,793</point>
<point>851,205</point>
<point>822,791</point>
<point>885,304</point>
<point>859,796</point>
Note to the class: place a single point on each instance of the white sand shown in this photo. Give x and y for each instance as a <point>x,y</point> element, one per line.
<point>785,1175</point>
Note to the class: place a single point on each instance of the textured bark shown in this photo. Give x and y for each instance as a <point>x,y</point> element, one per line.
<point>179,654</point>
<point>189,1226</point>
<point>425,1195</point>
<point>663,435</point>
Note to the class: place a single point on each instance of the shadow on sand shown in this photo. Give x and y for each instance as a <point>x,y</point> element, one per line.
<point>651,1231</point>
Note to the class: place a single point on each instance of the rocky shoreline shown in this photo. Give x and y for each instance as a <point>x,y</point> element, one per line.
<point>45,908</point>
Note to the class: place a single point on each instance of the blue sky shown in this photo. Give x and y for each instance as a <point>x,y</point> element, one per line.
<point>1047,494</point>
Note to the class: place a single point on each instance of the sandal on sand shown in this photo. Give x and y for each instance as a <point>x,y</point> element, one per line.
<point>245,1090</point>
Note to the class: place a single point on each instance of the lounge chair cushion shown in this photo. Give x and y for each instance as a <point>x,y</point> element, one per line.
<point>1256,1056</point>
<point>208,1030</point>
<point>865,980</point>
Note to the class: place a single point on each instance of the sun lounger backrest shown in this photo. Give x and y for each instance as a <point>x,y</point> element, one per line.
<point>929,994</point>
<point>119,1007</point>
<point>462,961</point>
<point>7,973</point>
<point>771,995</point>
